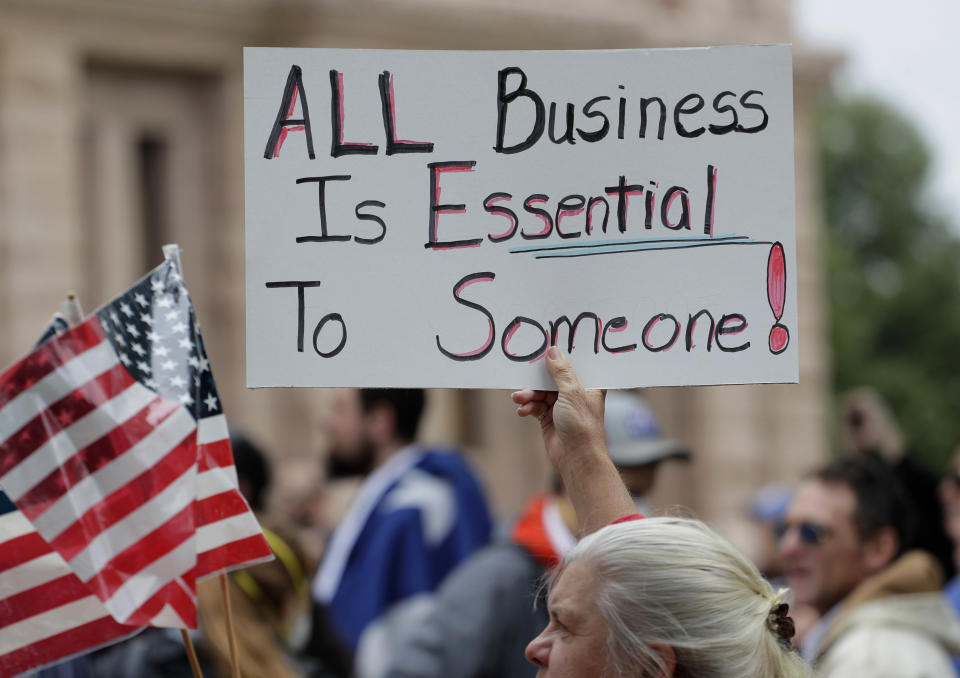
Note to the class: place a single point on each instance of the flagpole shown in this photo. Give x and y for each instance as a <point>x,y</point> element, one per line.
<point>191,654</point>
<point>71,310</point>
<point>225,589</point>
<point>171,251</point>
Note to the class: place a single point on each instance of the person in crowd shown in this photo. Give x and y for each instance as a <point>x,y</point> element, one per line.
<point>481,618</point>
<point>253,470</point>
<point>484,614</point>
<point>655,597</point>
<point>417,515</point>
<point>768,508</point>
<point>949,492</point>
<point>845,545</point>
<point>280,595</point>
<point>869,429</point>
<point>636,445</point>
<point>278,634</point>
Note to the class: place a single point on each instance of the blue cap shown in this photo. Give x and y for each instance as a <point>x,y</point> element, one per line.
<point>770,504</point>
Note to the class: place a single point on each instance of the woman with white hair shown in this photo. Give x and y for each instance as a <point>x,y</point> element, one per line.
<point>651,598</point>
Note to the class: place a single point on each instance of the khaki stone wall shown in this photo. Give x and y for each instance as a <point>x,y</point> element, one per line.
<point>121,127</point>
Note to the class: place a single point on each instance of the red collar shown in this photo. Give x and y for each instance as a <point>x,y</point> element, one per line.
<point>530,532</point>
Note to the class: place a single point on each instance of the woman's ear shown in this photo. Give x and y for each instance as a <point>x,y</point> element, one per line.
<point>669,658</point>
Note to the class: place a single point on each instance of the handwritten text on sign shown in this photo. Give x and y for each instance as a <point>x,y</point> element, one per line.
<point>441,218</point>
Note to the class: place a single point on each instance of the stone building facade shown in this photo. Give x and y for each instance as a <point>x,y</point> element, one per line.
<point>121,129</point>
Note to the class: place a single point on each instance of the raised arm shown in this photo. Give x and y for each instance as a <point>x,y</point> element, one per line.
<point>571,422</point>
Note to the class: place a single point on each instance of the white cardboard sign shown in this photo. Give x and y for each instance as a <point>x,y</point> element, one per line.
<point>438,219</point>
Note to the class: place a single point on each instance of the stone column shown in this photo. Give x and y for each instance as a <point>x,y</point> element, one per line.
<point>41,248</point>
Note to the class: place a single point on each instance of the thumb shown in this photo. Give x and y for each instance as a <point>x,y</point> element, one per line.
<point>561,370</point>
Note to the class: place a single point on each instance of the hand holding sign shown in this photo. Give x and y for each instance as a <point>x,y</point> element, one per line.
<point>573,435</point>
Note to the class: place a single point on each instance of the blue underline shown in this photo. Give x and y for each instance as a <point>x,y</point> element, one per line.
<point>597,247</point>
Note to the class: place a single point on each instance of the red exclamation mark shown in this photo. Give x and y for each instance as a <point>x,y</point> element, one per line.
<point>776,295</point>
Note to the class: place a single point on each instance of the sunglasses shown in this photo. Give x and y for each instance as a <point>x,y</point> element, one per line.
<point>811,534</point>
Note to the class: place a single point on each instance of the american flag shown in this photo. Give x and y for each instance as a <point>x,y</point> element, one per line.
<point>115,448</point>
<point>46,613</point>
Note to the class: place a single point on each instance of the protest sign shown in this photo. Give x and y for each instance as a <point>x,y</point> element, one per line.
<point>439,219</point>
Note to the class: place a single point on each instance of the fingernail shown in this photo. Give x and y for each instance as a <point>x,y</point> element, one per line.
<point>553,353</point>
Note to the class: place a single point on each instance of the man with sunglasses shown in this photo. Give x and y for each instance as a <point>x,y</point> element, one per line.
<point>844,541</point>
<point>949,495</point>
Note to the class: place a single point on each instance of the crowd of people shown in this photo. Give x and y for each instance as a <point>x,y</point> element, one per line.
<point>588,581</point>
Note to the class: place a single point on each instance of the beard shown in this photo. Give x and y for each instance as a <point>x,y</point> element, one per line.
<point>343,463</point>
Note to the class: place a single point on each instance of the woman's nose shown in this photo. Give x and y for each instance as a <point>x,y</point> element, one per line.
<point>538,650</point>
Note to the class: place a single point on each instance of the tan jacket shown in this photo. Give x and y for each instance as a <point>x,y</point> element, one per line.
<point>896,624</point>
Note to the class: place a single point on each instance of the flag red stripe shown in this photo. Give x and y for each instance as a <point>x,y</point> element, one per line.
<point>134,558</point>
<point>41,598</point>
<point>185,604</point>
<point>150,608</point>
<point>174,595</point>
<point>48,357</point>
<point>121,503</point>
<point>64,412</point>
<point>22,549</point>
<point>232,554</point>
<point>95,456</point>
<point>77,639</point>
<point>219,506</point>
<point>215,454</point>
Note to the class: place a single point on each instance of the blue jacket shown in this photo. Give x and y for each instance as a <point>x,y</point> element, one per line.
<point>414,520</point>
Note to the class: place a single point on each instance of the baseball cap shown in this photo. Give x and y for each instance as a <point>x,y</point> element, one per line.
<point>633,436</point>
<point>770,504</point>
